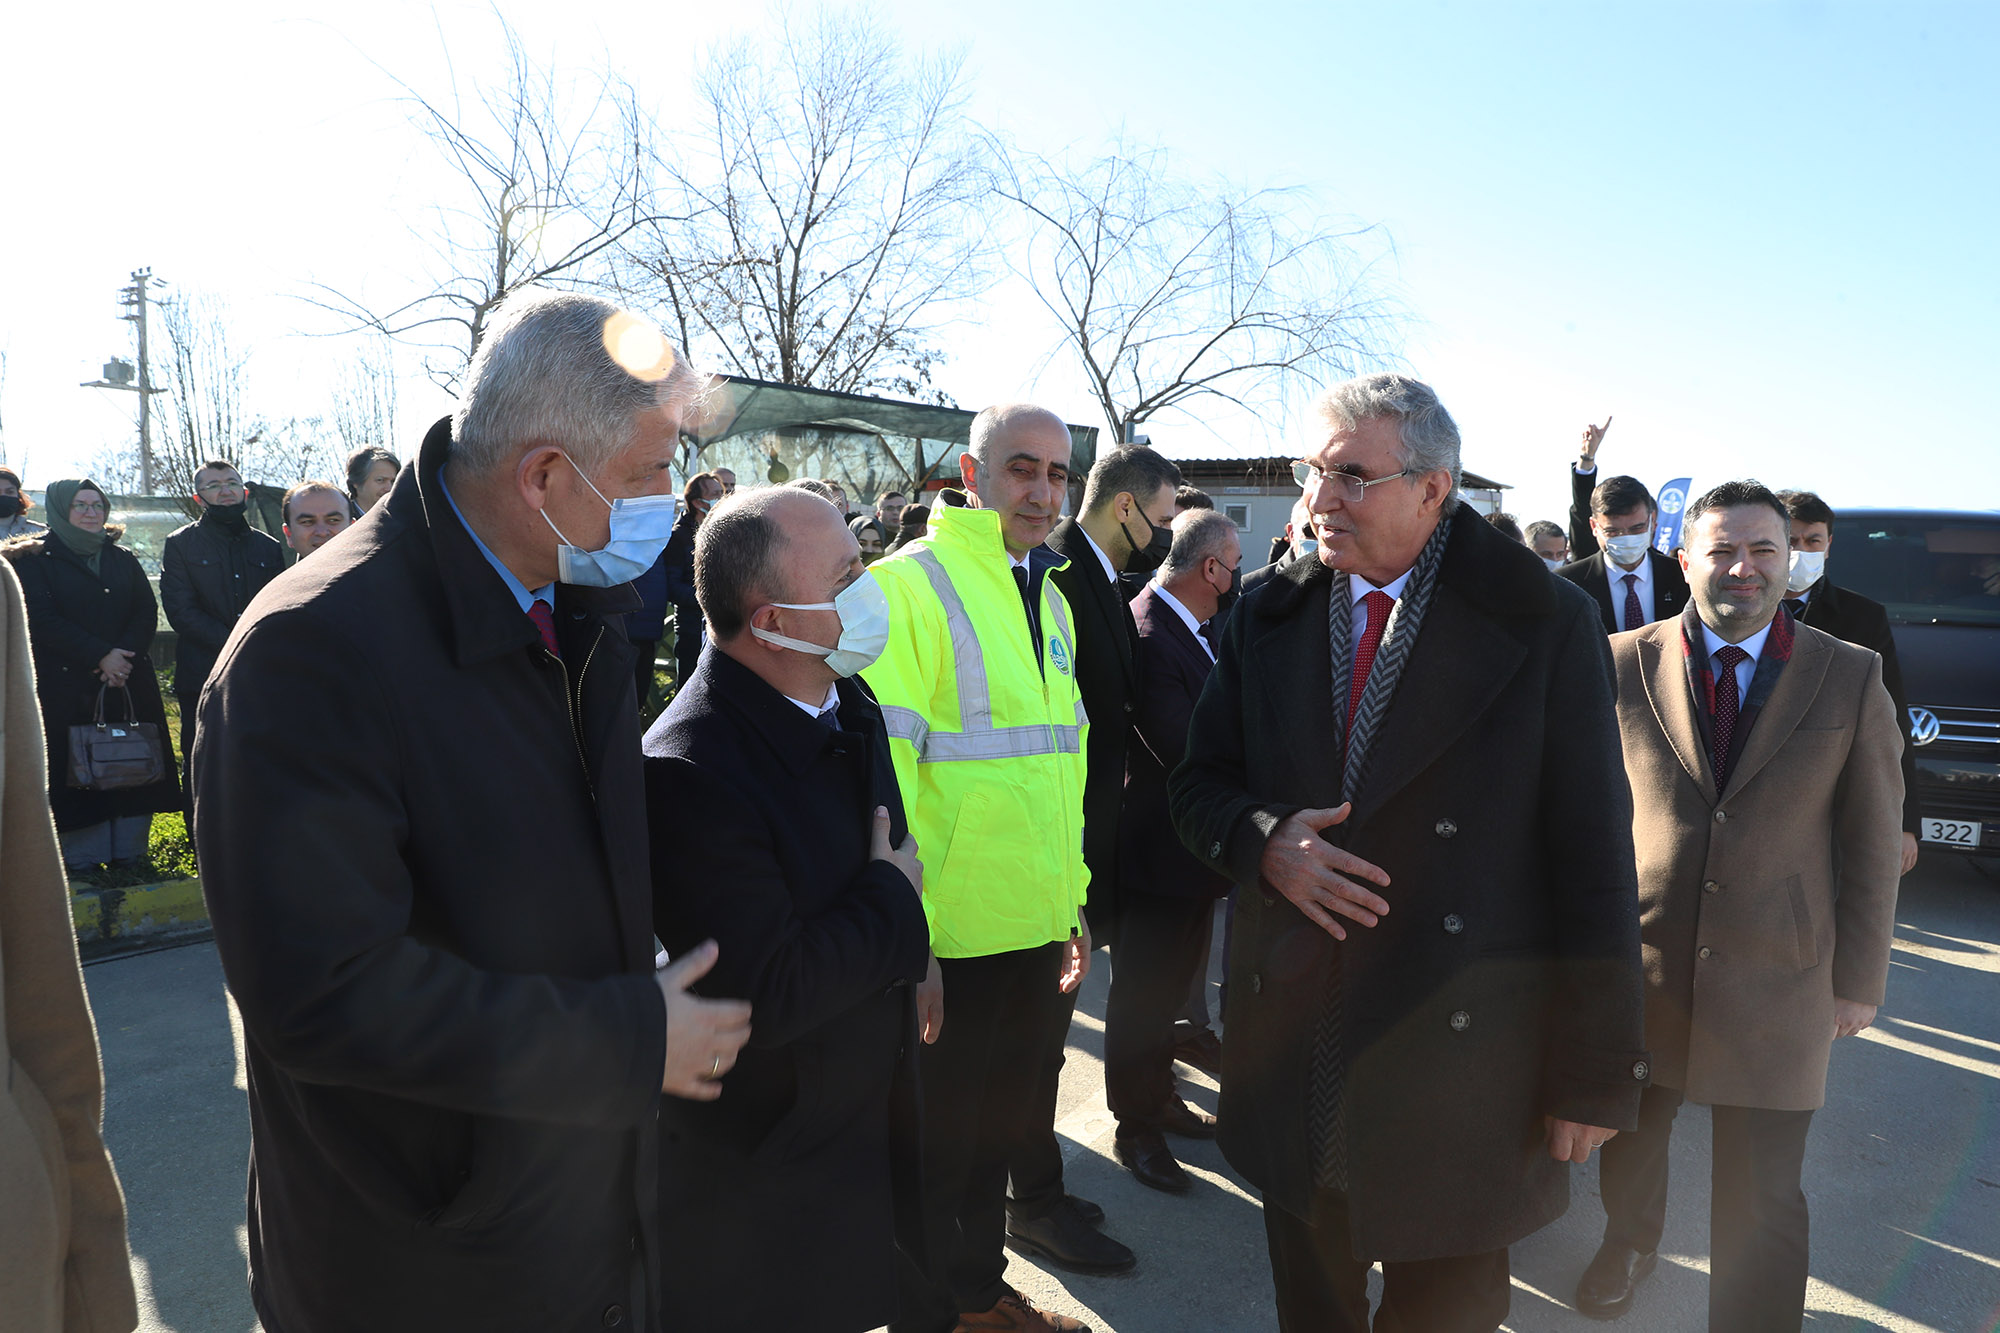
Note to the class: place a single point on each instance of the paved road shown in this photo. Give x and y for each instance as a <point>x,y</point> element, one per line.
<point>1903,1168</point>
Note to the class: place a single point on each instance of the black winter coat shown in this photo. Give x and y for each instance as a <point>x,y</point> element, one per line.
<point>75,617</point>
<point>761,818</point>
<point>1504,984</point>
<point>423,844</point>
<point>208,575</point>
<point>1108,680</point>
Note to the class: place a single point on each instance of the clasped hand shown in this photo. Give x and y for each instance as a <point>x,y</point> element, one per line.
<point>703,1036</point>
<point>1323,881</point>
<point>115,668</point>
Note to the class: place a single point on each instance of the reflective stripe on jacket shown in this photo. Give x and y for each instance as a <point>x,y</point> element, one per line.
<point>988,743</point>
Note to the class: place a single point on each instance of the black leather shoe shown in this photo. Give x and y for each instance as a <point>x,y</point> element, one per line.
<point>1201,1048</point>
<point>1091,1214</point>
<point>1605,1290</point>
<point>1067,1241</point>
<point>1147,1156</point>
<point>1190,1122</point>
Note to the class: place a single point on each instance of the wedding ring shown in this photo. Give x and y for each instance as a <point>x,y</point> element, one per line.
<point>715,1069</point>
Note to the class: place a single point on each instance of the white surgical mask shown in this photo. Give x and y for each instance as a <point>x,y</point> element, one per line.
<point>1628,550</point>
<point>863,609</point>
<point>640,527</point>
<point>1553,563</point>
<point>1807,566</point>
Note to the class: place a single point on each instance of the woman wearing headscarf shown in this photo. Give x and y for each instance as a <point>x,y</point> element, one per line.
<point>873,538</point>
<point>91,617</point>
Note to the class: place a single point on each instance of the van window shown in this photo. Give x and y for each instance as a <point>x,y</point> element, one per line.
<point>1927,569</point>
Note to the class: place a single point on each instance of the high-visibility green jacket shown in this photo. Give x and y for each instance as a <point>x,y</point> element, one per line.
<point>988,742</point>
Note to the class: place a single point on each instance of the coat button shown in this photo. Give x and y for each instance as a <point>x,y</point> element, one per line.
<point>1722,816</point>
<point>1453,924</point>
<point>1215,851</point>
<point>1128,705</point>
<point>1704,952</point>
<point>1640,1069</point>
<point>1710,886</point>
<point>1446,829</point>
<point>614,1315</point>
<point>1460,1020</point>
<point>1257,983</point>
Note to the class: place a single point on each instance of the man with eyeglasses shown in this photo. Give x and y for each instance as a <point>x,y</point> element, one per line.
<point>1436,995</point>
<point>209,571</point>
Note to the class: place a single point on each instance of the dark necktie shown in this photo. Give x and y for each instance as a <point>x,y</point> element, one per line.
<point>545,621</point>
<point>831,715</point>
<point>1797,606</point>
<point>1379,605</point>
<point>1634,617</point>
<point>1728,704</point>
<point>1028,605</point>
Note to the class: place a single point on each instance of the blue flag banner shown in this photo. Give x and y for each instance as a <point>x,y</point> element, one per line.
<point>1673,503</point>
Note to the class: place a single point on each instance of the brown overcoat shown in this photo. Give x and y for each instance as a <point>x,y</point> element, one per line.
<point>63,1261</point>
<point>1760,905</point>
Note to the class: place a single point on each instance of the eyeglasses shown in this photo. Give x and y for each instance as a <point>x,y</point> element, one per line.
<point>87,507</point>
<point>1349,489</point>
<point>220,487</point>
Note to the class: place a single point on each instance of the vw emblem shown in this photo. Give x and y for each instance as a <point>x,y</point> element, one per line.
<point>1923,726</point>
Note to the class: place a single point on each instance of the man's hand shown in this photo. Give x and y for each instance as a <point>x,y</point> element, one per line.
<point>1909,852</point>
<point>1849,1017</point>
<point>703,1036</point>
<point>904,858</point>
<point>930,1003</point>
<point>1318,877</point>
<point>116,666</point>
<point>1571,1142</point>
<point>1593,436</point>
<point>1075,958</point>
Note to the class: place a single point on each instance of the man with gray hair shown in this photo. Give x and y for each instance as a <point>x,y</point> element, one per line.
<point>439,929</point>
<point>1435,995</point>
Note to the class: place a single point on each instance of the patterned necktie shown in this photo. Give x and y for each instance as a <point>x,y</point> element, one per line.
<point>1728,703</point>
<point>1634,617</point>
<point>545,621</point>
<point>1379,605</point>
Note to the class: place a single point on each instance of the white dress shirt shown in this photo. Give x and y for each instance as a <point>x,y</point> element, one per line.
<point>1187,617</point>
<point>1110,574</point>
<point>1644,587</point>
<point>1359,588</point>
<point>814,710</point>
<point>1746,670</point>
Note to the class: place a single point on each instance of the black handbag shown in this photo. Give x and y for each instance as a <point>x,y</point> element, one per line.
<point>110,756</point>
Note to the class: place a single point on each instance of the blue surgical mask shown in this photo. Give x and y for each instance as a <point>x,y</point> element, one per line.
<point>864,627</point>
<point>640,528</point>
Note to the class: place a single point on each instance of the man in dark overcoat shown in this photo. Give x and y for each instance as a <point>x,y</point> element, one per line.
<point>423,846</point>
<point>1435,991</point>
<point>778,832</point>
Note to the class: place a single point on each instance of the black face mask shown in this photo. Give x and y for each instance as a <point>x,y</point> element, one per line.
<point>1225,600</point>
<point>233,517</point>
<point>1145,559</point>
<point>10,505</point>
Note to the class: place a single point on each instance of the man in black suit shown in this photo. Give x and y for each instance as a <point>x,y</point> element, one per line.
<point>778,831</point>
<point>1634,584</point>
<point>1128,502</point>
<point>1814,599</point>
<point>1435,1003</point>
<point>1166,898</point>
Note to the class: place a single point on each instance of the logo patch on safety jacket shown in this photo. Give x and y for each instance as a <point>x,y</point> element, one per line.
<point>1058,656</point>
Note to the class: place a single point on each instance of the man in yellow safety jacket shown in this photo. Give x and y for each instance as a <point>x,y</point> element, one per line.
<point>987,728</point>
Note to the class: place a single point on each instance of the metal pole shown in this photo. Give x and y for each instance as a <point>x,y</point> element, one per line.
<point>140,279</point>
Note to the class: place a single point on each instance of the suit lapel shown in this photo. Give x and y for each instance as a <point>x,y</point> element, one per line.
<point>1440,697</point>
<point>1600,588</point>
<point>1293,670</point>
<point>1662,666</point>
<point>1106,597</point>
<point>1798,685</point>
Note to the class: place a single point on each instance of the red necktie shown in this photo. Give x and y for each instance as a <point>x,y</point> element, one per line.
<point>1379,605</point>
<point>545,621</point>
<point>1634,617</point>
<point>1728,703</point>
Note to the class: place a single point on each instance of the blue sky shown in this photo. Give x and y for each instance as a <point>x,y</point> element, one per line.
<point>1760,234</point>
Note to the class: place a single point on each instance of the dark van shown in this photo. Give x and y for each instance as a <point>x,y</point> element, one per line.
<point>1938,573</point>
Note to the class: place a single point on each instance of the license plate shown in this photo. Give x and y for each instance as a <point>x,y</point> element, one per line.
<point>1952,832</point>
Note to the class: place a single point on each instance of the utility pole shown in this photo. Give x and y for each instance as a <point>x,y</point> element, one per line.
<point>119,373</point>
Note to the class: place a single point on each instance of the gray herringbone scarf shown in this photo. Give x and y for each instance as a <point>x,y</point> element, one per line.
<point>1326,1109</point>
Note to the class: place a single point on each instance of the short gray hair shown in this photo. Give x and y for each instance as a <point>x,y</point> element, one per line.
<point>552,368</point>
<point>1198,534</point>
<point>1429,435</point>
<point>738,555</point>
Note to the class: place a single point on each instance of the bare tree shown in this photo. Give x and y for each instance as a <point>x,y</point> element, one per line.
<point>824,214</point>
<point>364,399</point>
<point>285,452</point>
<point>204,375</point>
<point>1170,290</point>
<point>548,184</point>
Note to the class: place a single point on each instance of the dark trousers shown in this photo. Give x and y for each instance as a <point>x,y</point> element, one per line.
<point>979,1084</point>
<point>1758,1226</point>
<point>1323,1288</point>
<point>188,708</point>
<point>1035,1167</point>
<point>1158,948</point>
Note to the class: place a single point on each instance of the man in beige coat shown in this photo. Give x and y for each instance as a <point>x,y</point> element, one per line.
<point>64,1267</point>
<point>1767,795</point>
